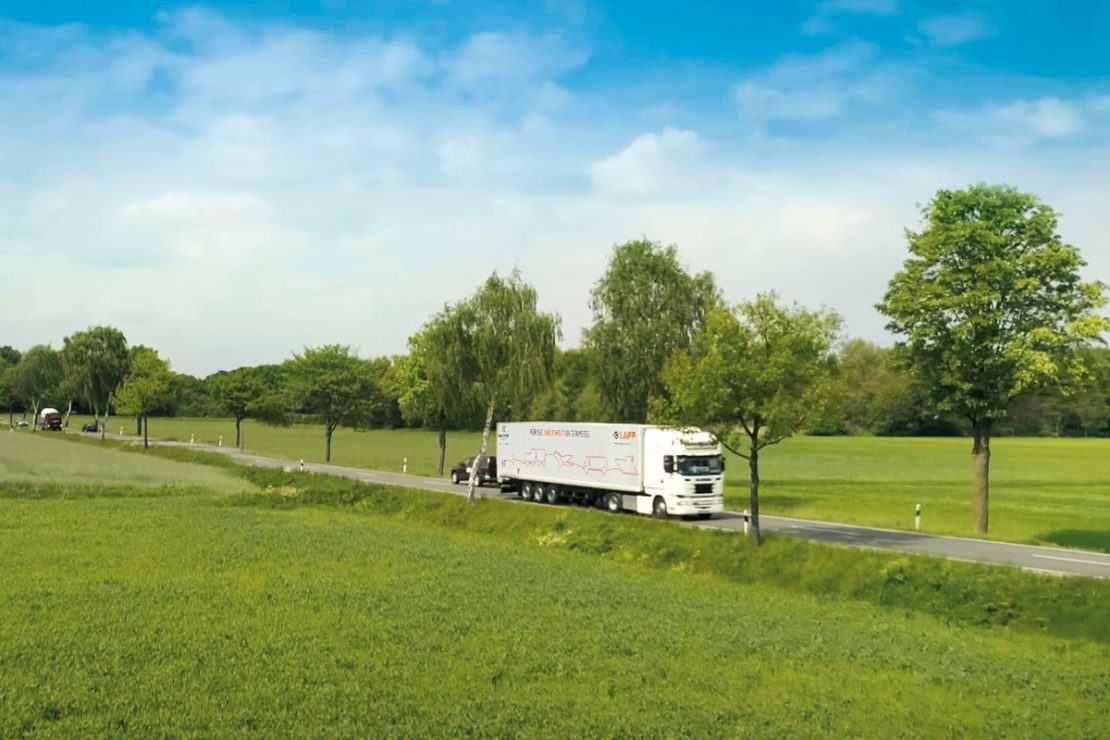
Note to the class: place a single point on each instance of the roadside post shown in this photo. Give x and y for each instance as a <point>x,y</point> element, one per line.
<point>917,518</point>
<point>405,465</point>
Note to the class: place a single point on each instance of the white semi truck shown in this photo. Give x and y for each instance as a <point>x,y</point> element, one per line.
<point>625,467</point>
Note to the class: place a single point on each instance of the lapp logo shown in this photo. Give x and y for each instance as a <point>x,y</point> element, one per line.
<point>624,435</point>
<point>504,429</point>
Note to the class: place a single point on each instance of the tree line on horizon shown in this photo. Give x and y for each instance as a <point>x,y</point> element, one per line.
<point>995,335</point>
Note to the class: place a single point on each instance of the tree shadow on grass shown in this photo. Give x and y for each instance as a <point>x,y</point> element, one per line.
<point>1084,539</point>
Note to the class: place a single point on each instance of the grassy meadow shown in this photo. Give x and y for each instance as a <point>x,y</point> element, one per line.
<point>308,606</point>
<point>1043,491</point>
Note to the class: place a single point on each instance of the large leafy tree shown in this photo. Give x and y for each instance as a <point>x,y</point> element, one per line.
<point>147,387</point>
<point>95,362</point>
<point>333,385</point>
<point>433,379</point>
<point>753,376</point>
<point>645,307</point>
<point>244,393</point>
<point>37,378</point>
<point>989,306</point>
<point>511,344</point>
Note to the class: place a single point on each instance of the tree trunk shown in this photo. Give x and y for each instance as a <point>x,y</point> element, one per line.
<point>442,446</point>
<point>146,431</point>
<point>327,442</point>
<point>980,469</point>
<point>238,420</point>
<point>753,501</point>
<point>34,417</point>
<point>481,452</point>
<point>69,410</point>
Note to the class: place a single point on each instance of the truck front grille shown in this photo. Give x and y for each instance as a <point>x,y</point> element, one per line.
<point>703,488</point>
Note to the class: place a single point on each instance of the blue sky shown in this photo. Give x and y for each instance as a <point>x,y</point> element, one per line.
<point>230,184</point>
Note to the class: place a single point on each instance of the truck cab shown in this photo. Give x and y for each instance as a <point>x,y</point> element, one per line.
<point>50,419</point>
<point>684,473</point>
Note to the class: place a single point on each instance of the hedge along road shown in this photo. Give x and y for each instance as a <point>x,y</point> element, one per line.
<point>1049,560</point>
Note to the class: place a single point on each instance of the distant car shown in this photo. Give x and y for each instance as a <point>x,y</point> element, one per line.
<point>487,470</point>
<point>20,423</point>
<point>90,426</point>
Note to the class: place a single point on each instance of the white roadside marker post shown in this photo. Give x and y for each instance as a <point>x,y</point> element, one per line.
<point>220,443</point>
<point>192,439</point>
<point>405,465</point>
<point>302,465</point>
<point>917,518</point>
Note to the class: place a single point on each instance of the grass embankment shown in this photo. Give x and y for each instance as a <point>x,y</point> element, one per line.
<point>319,606</point>
<point>1043,491</point>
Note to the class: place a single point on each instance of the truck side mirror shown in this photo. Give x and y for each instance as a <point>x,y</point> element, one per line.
<point>668,463</point>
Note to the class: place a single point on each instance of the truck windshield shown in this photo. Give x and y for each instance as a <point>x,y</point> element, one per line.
<point>700,465</point>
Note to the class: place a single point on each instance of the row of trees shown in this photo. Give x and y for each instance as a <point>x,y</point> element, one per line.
<point>995,334</point>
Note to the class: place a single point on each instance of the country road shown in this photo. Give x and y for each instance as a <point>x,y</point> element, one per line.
<point>1049,560</point>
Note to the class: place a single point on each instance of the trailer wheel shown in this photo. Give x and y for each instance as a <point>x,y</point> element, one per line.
<point>659,507</point>
<point>539,494</point>
<point>526,491</point>
<point>553,495</point>
<point>613,503</point>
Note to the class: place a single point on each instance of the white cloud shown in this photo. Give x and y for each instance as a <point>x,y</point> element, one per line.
<point>493,59</point>
<point>824,15</point>
<point>652,163</point>
<point>953,30</point>
<point>812,87</point>
<point>1023,121</point>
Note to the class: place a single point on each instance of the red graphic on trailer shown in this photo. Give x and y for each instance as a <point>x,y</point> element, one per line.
<point>537,457</point>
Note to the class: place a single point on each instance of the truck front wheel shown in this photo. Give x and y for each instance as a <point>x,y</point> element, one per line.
<point>613,503</point>
<point>659,508</point>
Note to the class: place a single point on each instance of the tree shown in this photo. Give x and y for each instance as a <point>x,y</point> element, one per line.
<point>9,358</point>
<point>147,387</point>
<point>36,378</point>
<point>433,379</point>
<point>753,376</point>
<point>990,306</point>
<point>95,362</point>
<point>245,395</point>
<point>511,345</point>
<point>645,308</point>
<point>334,386</point>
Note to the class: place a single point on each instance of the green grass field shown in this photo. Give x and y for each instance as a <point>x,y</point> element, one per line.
<point>390,612</point>
<point>38,459</point>
<point>1043,491</point>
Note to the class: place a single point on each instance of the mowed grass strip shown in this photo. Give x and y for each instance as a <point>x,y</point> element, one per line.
<point>187,616</point>
<point>40,460</point>
<point>1043,491</point>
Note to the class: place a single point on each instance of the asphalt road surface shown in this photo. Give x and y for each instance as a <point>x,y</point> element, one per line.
<point>1049,560</point>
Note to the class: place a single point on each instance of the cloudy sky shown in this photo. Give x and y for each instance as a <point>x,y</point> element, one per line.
<point>230,185</point>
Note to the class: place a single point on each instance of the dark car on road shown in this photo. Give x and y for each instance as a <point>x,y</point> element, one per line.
<point>90,426</point>
<point>487,470</point>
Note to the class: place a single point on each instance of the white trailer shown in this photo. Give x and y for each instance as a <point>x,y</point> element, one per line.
<point>625,467</point>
